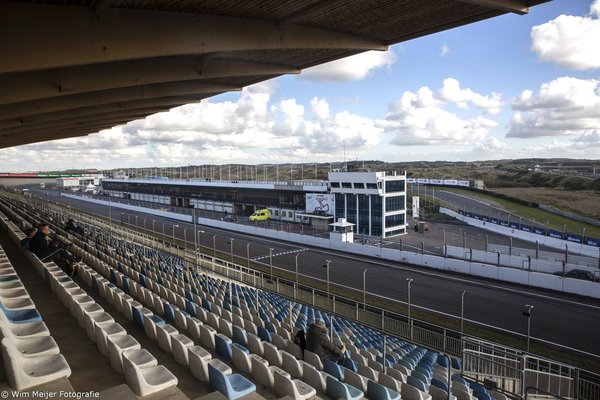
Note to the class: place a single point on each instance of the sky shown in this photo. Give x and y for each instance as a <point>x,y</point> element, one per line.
<point>505,88</point>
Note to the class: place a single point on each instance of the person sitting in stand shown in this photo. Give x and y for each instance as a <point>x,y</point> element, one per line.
<point>24,243</point>
<point>318,342</point>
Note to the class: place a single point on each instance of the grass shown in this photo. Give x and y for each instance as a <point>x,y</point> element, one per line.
<point>532,213</point>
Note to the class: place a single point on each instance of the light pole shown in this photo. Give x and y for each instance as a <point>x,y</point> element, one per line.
<point>248,253</point>
<point>462,311</point>
<point>122,219</point>
<point>163,232</point>
<point>527,313</point>
<point>231,248</point>
<point>409,281</point>
<point>153,221</point>
<point>145,223</point>
<point>296,286</point>
<point>327,262</point>
<point>271,262</point>
<point>365,289</point>
<point>214,246</point>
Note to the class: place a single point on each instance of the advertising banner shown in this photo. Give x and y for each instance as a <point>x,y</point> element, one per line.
<point>320,203</point>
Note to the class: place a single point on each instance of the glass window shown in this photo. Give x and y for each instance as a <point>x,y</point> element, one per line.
<point>363,214</point>
<point>340,204</point>
<point>347,185</point>
<point>371,186</point>
<point>335,184</point>
<point>359,185</point>
<point>394,186</point>
<point>394,203</point>
<point>351,208</point>
<point>394,220</point>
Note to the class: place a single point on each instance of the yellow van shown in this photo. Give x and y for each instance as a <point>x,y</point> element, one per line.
<point>261,215</point>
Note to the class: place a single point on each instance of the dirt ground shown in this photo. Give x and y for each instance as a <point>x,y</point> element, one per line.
<point>583,202</point>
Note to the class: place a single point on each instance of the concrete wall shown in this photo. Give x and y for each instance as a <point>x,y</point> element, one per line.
<point>475,268</point>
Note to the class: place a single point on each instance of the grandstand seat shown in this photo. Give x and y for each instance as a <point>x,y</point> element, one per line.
<point>390,382</point>
<point>370,373</point>
<point>232,386</point>
<point>31,346</point>
<point>223,346</point>
<point>439,394</point>
<point>376,391</point>
<point>295,388</point>
<point>439,384</point>
<point>419,384</point>
<point>24,372</point>
<point>116,345</point>
<point>241,358</point>
<point>340,390</point>
<point>180,344</point>
<point>239,336</point>
<point>291,365</point>
<point>263,373</point>
<point>150,324</point>
<point>103,331</point>
<point>144,381</point>
<point>356,380</point>
<point>26,330</point>
<point>180,319</point>
<point>313,359</point>
<point>272,354</point>
<point>409,392</point>
<point>164,334</point>
<point>461,394</point>
<point>207,336</point>
<point>255,345</point>
<point>334,370</point>
<point>350,364</point>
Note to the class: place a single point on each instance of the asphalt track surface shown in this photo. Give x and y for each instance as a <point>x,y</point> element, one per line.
<point>569,320</point>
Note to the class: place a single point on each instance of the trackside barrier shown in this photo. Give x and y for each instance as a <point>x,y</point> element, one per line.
<point>510,370</point>
<point>463,263</point>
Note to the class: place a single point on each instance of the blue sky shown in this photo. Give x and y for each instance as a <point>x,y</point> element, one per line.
<point>509,87</point>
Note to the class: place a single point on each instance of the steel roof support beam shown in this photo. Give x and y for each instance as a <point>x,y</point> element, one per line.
<point>60,36</point>
<point>514,6</point>
<point>28,108</point>
<point>32,85</point>
<point>166,102</point>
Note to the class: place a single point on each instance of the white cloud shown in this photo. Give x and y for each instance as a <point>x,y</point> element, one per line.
<point>350,68</point>
<point>570,41</point>
<point>445,50</point>
<point>491,146</point>
<point>420,118</point>
<point>564,106</point>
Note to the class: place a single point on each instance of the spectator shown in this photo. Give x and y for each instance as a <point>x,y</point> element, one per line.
<point>24,243</point>
<point>70,226</point>
<point>318,342</point>
<point>38,244</point>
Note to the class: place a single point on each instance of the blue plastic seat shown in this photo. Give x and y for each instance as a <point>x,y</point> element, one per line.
<point>223,348</point>
<point>439,384</point>
<point>460,379</point>
<point>239,336</point>
<point>350,364</point>
<point>138,318</point>
<point>207,305</point>
<point>420,377</point>
<point>415,382</point>
<point>482,396</point>
<point>21,316</point>
<point>231,386</point>
<point>263,334</point>
<point>190,307</point>
<point>334,370</point>
<point>456,364</point>
<point>169,312</point>
<point>376,391</point>
<point>340,390</point>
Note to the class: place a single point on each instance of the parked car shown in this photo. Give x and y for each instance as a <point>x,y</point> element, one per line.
<point>579,274</point>
<point>261,215</point>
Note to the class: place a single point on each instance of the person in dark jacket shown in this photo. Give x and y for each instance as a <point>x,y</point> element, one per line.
<point>318,342</point>
<point>29,233</point>
<point>38,244</point>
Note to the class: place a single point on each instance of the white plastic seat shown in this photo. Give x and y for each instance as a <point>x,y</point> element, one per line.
<point>180,344</point>
<point>295,388</point>
<point>163,336</point>
<point>207,336</point>
<point>368,372</point>
<point>128,311</point>
<point>225,327</point>
<point>23,372</point>
<point>149,380</point>
<point>240,359</point>
<point>213,320</point>
<point>262,372</point>
<point>390,382</point>
<point>356,380</point>
<point>278,341</point>
<point>116,345</point>
<point>199,365</point>
<point>291,365</point>
<point>193,327</point>
<point>394,373</point>
<point>272,354</point>
<point>439,394</point>
<point>180,319</point>
<point>103,331</point>
<point>409,392</point>
<point>32,346</point>
<point>26,330</point>
<point>315,378</point>
<point>150,326</point>
<point>313,359</point>
<point>255,345</point>
<point>98,317</point>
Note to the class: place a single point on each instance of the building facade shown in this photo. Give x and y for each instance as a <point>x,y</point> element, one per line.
<point>374,201</point>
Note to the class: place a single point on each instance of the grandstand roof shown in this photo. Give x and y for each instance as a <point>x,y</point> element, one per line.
<point>74,67</point>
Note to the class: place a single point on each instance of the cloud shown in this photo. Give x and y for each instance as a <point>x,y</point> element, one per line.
<point>350,68</point>
<point>491,146</point>
<point>445,50</point>
<point>577,147</point>
<point>564,106</point>
<point>421,119</point>
<point>570,41</point>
